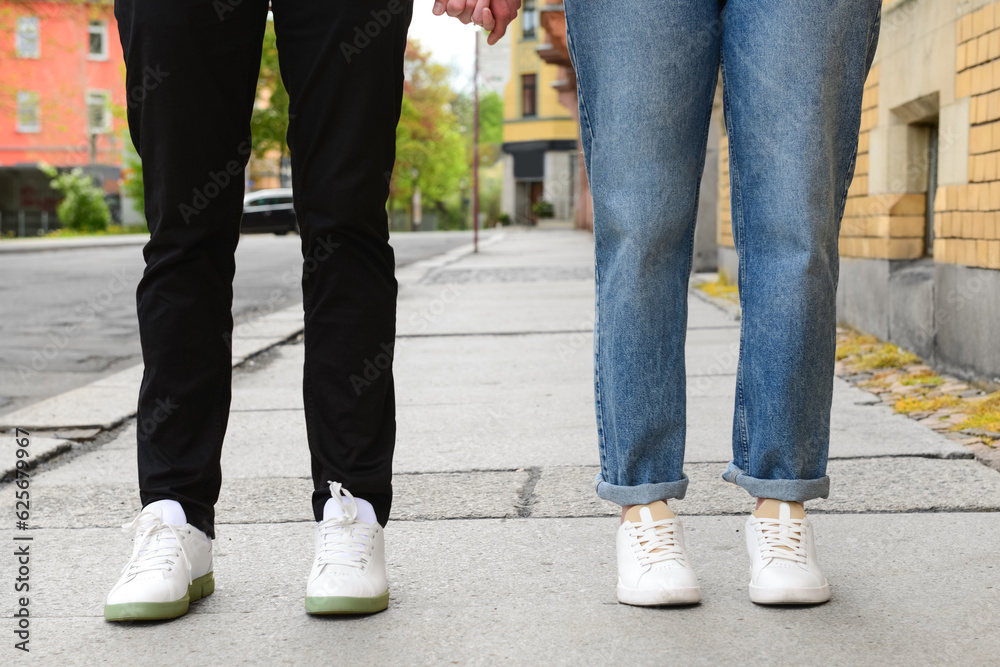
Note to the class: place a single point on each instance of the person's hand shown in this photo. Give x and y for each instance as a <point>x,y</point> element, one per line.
<point>495,16</point>
<point>460,9</point>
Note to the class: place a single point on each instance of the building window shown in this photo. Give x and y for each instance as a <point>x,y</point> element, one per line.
<point>528,96</point>
<point>98,112</point>
<point>98,37</point>
<point>932,185</point>
<point>26,38</point>
<point>28,117</point>
<point>529,20</point>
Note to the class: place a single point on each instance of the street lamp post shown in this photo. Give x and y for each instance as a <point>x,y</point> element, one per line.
<point>475,149</point>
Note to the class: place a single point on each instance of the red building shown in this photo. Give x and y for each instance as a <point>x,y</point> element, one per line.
<point>62,101</point>
<point>62,92</point>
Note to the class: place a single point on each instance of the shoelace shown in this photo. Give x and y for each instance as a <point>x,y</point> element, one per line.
<point>156,551</point>
<point>782,539</point>
<point>344,540</point>
<point>656,541</point>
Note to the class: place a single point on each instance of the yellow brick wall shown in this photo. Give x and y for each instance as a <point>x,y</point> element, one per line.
<point>879,226</point>
<point>869,228</point>
<point>967,217</point>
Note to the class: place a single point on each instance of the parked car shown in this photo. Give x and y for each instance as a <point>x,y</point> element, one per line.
<point>269,211</point>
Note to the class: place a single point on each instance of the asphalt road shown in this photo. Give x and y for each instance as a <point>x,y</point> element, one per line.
<point>68,316</point>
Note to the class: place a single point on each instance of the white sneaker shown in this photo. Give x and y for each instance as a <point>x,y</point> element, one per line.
<point>171,566</point>
<point>652,567</point>
<point>783,564</point>
<point>348,575</point>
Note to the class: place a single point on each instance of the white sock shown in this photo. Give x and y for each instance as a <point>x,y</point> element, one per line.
<point>366,512</point>
<point>170,511</point>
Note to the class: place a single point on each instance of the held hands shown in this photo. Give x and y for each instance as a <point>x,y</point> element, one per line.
<point>493,15</point>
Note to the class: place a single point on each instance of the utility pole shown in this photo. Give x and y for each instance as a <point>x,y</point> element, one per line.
<point>475,148</point>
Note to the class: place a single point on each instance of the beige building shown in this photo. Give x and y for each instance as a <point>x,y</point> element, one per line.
<point>920,241</point>
<point>539,132</point>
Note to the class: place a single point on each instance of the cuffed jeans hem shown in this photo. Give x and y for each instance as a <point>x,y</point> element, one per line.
<point>791,490</point>
<point>642,494</point>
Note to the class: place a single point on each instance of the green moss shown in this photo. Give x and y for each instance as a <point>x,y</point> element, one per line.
<point>985,415</point>
<point>923,379</point>
<point>854,344</point>
<point>886,355</point>
<point>909,404</point>
<point>721,288</point>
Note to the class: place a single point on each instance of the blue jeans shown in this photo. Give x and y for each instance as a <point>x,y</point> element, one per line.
<point>793,75</point>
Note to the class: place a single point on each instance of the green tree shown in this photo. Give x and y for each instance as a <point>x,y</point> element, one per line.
<point>132,181</point>
<point>490,140</point>
<point>430,150</point>
<point>83,207</point>
<point>269,123</point>
<point>490,116</point>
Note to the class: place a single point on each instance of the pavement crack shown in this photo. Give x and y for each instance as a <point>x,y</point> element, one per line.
<point>481,334</point>
<point>526,496</point>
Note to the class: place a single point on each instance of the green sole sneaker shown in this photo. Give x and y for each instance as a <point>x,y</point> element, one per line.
<point>347,605</point>
<point>161,611</point>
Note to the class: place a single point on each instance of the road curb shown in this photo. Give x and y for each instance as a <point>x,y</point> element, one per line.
<point>109,401</point>
<point>46,245</point>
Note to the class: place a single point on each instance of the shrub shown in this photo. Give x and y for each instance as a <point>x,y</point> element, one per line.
<point>83,207</point>
<point>543,209</point>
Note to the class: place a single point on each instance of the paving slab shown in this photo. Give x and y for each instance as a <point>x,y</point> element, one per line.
<point>892,484</point>
<point>535,591</point>
<point>517,248</point>
<point>130,378</point>
<point>493,308</point>
<point>499,550</point>
<point>855,430</point>
<point>66,500</point>
<point>414,272</point>
<point>39,449</point>
<point>92,492</point>
<point>515,401</point>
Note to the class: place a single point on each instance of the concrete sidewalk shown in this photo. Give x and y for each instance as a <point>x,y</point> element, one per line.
<point>499,551</point>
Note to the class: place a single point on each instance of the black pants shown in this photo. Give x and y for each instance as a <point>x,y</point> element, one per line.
<point>191,74</point>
